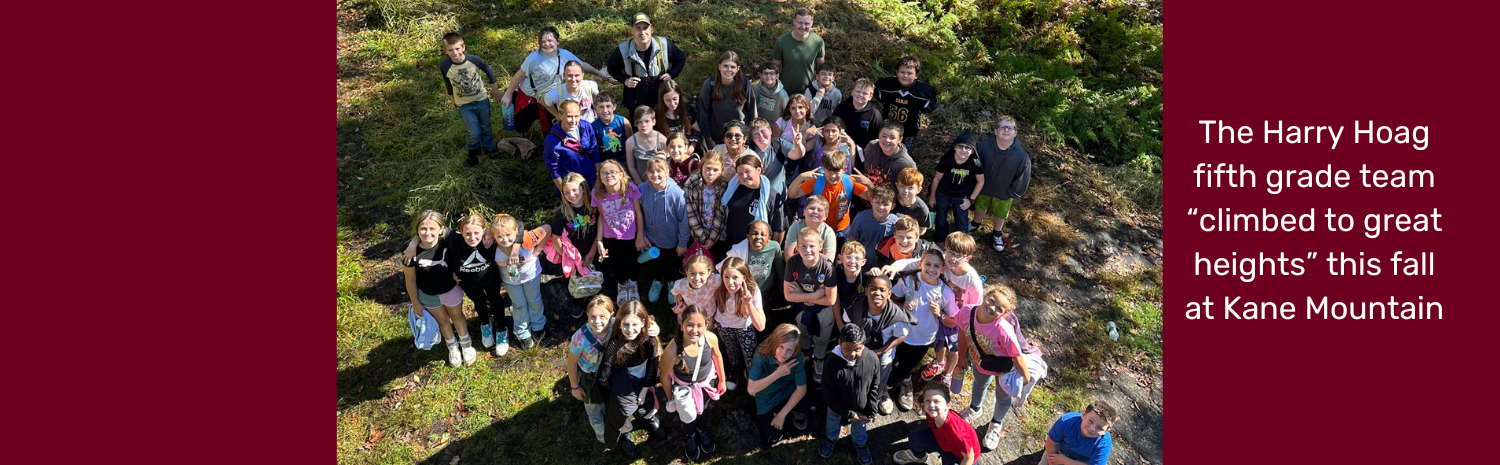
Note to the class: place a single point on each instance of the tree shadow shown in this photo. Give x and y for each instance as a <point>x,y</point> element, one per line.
<point>392,359</point>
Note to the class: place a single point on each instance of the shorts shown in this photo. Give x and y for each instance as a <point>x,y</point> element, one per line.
<point>994,206</point>
<point>947,338</point>
<point>453,298</point>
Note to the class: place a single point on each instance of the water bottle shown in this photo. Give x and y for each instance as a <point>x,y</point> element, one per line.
<point>508,113</point>
<point>512,270</point>
<point>1114,335</point>
<point>648,254</point>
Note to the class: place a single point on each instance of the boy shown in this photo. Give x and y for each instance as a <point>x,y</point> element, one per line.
<point>574,88</point>
<point>1081,438</point>
<point>472,100</point>
<point>885,325</point>
<point>908,184</point>
<point>904,243</point>
<point>809,286</point>
<point>813,216</point>
<point>767,266</point>
<point>1007,170</point>
<point>851,281</point>
<point>770,97</point>
<point>947,434</point>
<point>612,129</point>
<point>862,119</point>
<point>905,98</point>
<point>850,390</point>
<point>958,181</point>
<point>664,212</point>
<point>886,157</point>
<point>823,94</point>
<point>961,278</point>
<point>837,190</point>
<point>872,225</point>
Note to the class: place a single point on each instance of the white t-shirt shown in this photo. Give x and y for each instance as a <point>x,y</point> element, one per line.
<point>525,272</point>
<point>585,97</point>
<point>729,317</point>
<point>925,332</point>
<point>544,71</point>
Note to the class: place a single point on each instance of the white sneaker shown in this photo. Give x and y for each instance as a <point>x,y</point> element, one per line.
<point>729,385</point>
<point>886,407</point>
<point>487,336</point>
<point>503,346</point>
<point>455,356</point>
<point>992,437</point>
<point>466,347</point>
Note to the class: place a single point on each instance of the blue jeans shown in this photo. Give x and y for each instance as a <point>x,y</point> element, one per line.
<point>923,442</point>
<point>857,431</point>
<point>476,116</point>
<point>946,204</point>
<point>526,307</point>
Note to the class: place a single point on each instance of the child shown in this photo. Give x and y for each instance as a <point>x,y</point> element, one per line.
<point>574,88</point>
<point>664,215</point>
<point>908,184</point>
<point>575,224</point>
<point>886,156</point>
<point>958,181</point>
<point>763,257</point>
<point>885,325</point>
<point>584,355</point>
<point>838,190</point>
<point>699,288</point>
<point>851,390</point>
<point>750,197</point>
<point>906,98</point>
<point>726,97</point>
<point>947,433</point>
<point>831,138</point>
<point>706,214</point>
<point>472,100</point>
<point>692,366</point>
<point>822,94</point>
<point>629,358</point>
<point>991,334</point>
<point>809,285</point>
<point>673,116</point>
<point>957,249</point>
<point>1081,437</point>
<point>933,304</point>
<point>870,226</point>
<point>851,285</point>
<point>610,128</point>
<point>644,145</point>
<point>739,310</point>
<point>619,238</point>
<point>860,117</point>
<point>795,121</point>
<point>471,252</point>
<point>1008,171</point>
<point>813,216</point>
<point>777,154</point>
<point>779,384</point>
<point>430,284</point>
<point>770,97</point>
<point>516,256</point>
<point>680,158</point>
<point>902,244</point>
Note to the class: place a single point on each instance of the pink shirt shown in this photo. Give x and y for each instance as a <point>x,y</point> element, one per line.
<point>1000,337</point>
<point>617,213</point>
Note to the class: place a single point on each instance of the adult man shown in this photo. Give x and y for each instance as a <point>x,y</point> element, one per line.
<point>1007,173</point>
<point>797,53</point>
<point>655,59</point>
<point>1080,438</point>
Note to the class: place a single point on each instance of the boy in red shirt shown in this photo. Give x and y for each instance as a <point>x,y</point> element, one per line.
<point>833,189</point>
<point>948,434</point>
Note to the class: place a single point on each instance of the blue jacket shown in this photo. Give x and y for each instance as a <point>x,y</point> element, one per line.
<point>561,161</point>
<point>666,215</point>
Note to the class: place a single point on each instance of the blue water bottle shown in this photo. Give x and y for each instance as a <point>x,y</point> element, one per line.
<point>508,113</point>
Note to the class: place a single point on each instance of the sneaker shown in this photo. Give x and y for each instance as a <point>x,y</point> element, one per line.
<point>992,437</point>
<point>655,290</point>
<point>487,335</point>
<point>707,441</point>
<point>730,385</point>
<point>948,381</point>
<point>503,345</point>
<point>886,407</point>
<point>690,448</point>
<point>627,446</point>
<point>905,456</point>
<point>818,370</point>
<point>973,226</point>
<point>969,414</point>
<point>827,450</point>
<point>999,243</point>
<point>799,421</point>
<point>863,452</point>
<point>455,356</point>
<point>932,370</point>
<point>671,298</point>
<point>526,343</point>
<point>473,158</point>
<point>466,347</point>
<point>904,399</point>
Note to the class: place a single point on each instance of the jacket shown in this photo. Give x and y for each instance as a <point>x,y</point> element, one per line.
<point>852,389</point>
<point>665,214</point>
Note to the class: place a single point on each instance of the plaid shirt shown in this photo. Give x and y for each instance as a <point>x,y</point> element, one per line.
<point>694,193</point>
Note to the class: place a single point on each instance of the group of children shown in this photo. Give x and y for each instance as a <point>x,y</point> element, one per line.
<point>766,257</point>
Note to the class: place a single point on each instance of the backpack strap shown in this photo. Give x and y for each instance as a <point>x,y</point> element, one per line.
<point>588,334</point>
<point>848,186</point>
<point>661,53</point>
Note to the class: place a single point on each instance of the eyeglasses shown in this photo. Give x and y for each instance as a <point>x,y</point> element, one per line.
<point>735,136</point>
<point>951,258</point>
<point>1007,128</point>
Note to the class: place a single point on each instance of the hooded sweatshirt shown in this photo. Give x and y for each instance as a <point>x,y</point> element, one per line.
<point>852,387</point>
<point>1007,173</point>
<point>862,125</point>
<point>769,102</point>
<point>713,114</point>
<point>883,169</point>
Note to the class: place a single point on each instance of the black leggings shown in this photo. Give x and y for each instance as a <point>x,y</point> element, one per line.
<point>489,300</point>
<point>620,266</point>
<point>908,358</point>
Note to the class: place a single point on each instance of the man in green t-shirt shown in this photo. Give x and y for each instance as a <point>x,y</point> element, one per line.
<point>798,53</point>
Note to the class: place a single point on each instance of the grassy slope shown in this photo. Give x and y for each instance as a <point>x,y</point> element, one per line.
<point>1084,79</point>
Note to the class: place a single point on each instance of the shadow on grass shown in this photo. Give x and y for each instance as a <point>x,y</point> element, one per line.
<point>393,359</point>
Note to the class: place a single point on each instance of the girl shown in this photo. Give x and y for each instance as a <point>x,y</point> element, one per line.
<point>471,251</point>
<point>990,334</point>
<point>570,146</point>
<point>705,212</point>
<point>575,221</point>
<point>629,357</point>
<point>664,217</point>
<point>429,282</point>
<point>699,288</point>
<point>927,296</point>
<point>779,384</point>
<point>832,137</point>
<point>691,367</point>
<point>673,115</point>
<point>644,145</point>
<point>739,310</point>
<point>517,259</point>
<point>540,72</point>
<point>725,97</point>
<point>794,120</point>
<point>619,207</point>
<point>680,156</point>
<point>584,356</point>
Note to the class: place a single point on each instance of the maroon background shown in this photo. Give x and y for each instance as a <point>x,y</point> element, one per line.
<point>1345,391</point>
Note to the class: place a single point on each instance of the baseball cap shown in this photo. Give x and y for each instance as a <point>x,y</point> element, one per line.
<point>641,18</point>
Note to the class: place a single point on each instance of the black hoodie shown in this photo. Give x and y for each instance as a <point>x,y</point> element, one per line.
<point>853,388</point>
<point>958,178</point>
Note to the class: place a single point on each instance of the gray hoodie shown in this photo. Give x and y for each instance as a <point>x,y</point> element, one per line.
<point>769,102</point>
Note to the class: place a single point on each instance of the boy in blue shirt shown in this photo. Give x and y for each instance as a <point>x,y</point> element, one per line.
<point>1080,438</point>
<point>472,101</point>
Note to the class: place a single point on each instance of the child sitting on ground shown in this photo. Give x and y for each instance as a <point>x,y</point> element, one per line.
<point>947,433</point>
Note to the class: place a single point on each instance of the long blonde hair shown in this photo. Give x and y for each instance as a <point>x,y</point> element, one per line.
<point>586,192</point>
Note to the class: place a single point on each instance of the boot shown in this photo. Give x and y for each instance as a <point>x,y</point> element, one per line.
<point>627,446</point>
<point>473,157</point>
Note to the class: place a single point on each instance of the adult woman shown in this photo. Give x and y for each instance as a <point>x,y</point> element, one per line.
<point>749,197</point>
<point>430,284</point>
<point>725,98</point>
<point>571,147</point>
<point>540,72</point>
<point>990,335</point>
<point>644,62</point>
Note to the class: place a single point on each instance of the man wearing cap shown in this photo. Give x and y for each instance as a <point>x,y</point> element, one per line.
<point>643,62</point>
<point>798,53</point>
